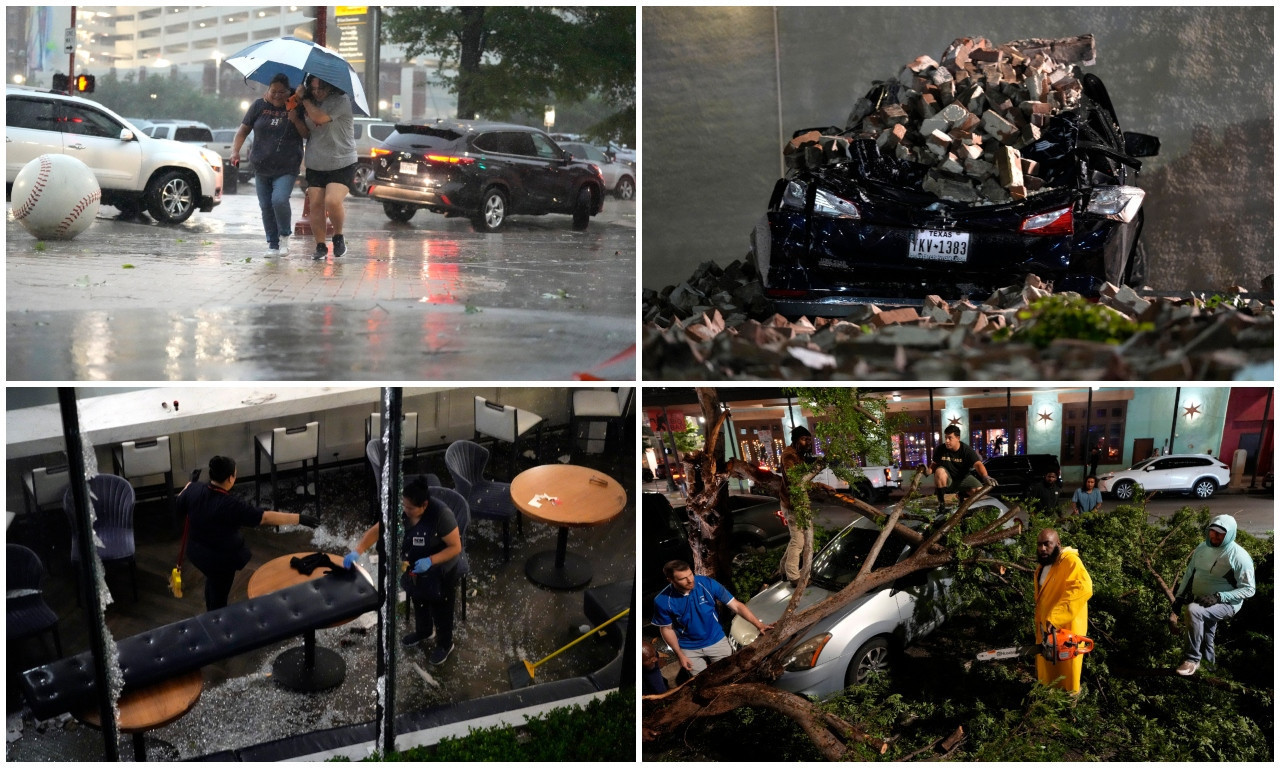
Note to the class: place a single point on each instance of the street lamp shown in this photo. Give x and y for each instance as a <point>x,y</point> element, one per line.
<point>217,73</point>
<point>549,119</point>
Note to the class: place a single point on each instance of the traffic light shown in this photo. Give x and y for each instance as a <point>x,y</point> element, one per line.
<point>84,83</point>
<point>59,82</point>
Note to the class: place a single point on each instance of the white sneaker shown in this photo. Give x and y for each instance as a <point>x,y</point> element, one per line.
<point>1188,668</point>
<point>273,252</point>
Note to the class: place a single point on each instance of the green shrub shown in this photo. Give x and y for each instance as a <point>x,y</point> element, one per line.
<point>1070,316</point>
<point>604,730</point>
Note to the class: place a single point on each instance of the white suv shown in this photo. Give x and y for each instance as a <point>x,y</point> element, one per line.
<point>1194,473</point>
<point>169,179</point>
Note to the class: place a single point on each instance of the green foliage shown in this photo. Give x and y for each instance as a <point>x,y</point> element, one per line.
<point>602,730</point>
<point>504,59</point>
<point>688,439</point>
<point>753,570</point>
<point>175,97</point>
<point>1070,316</point>
<point>798,495</point>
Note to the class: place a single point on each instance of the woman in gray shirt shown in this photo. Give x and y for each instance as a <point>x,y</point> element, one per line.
<point>330,158</point>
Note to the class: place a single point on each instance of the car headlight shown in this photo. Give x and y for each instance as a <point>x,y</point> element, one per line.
<point>806,654</point>
<point>823,201</point>
<point>211,157</point>
<point>1117,203</point>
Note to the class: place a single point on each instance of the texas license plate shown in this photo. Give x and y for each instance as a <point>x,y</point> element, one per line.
<point>409,169</point>
<point>939,245</point>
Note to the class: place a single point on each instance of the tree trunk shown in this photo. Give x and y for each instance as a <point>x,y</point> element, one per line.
<point>471,40</point>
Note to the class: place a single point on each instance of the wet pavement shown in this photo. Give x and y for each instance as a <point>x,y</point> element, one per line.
<point>427,300</point>
<point>508,619</point>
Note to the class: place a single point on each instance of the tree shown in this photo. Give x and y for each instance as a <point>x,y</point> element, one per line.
<point>744,679</point>
<point>503,59</point>
<point>175,97</point>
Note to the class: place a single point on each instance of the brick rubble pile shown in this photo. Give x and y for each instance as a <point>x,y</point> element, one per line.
<point>718,325</point>
<point>965,118</point>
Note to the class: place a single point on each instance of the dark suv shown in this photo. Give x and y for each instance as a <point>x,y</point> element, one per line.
<point>1017,475</point>
<point>485,171</point>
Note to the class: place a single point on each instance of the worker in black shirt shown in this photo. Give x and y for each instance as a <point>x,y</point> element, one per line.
<point>215,517</point>
<point>957,468</point>
<point>429,561</point>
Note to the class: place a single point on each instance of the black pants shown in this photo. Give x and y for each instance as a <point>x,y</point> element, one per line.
<point>217,587</point>
<point>436,613</point>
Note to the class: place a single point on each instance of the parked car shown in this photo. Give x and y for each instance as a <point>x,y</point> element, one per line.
<point>876,486</point>
<point>862,637</point>
<point>170,179</point>
<point>223,139</point>
<point>189,131</point>
<point>485,171</point>
<point>620,153</point>
<point>1190,473</point>
<point>618,177</point>
<point>866,229</point>
<point>1017,475</point>
<point>370,133</point>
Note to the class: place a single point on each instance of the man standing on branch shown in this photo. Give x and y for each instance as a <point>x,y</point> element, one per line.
<point>798,454</point>
<point>1215,585</point>
<point>685,615</point>
<point>957,468</point>
<point>1063,589</point>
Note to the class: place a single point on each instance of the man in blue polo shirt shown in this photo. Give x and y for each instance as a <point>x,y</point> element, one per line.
<point>686,617</point>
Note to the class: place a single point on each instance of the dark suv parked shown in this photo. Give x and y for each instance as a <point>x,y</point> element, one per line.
<point>1017,475</point>
<point>485,171</point>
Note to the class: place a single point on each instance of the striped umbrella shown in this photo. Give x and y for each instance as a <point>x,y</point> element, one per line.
<point>297,58</point>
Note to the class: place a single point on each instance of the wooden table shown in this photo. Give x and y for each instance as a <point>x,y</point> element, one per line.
<point>152,707</point>
<point>585,498</point>
<point>308,668</point>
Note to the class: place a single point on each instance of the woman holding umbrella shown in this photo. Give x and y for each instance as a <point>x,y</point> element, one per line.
<point>330,158</point>
<point>276,156</point>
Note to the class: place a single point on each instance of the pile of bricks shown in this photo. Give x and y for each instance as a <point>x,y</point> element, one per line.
<point>965,119</point>
<point>710,327</point>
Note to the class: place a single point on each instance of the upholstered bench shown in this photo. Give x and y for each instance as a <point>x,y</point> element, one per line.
<point>606,601</point>
<point>161,653</point>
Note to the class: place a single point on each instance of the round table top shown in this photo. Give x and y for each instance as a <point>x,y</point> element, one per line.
<point>278,574</point>
<point>154,706</point>
<point>586,496</point>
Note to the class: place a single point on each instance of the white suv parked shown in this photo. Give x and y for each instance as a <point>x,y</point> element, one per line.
<point>1184,473</point>
<point>169,179</point>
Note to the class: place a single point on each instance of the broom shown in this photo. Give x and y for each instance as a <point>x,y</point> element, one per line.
<point>521,674</point>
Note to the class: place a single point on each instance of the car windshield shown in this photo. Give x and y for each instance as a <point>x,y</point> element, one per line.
<point>839,562</point>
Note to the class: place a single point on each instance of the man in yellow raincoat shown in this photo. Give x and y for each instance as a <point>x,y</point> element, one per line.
<point>1063,589</point>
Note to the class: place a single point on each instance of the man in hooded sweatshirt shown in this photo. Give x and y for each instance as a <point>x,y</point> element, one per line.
<point>1216,583</point>
<point>1063,589</point>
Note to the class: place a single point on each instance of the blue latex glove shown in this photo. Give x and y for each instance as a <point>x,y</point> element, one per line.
<point>350,560</point>
<point>422,565</point>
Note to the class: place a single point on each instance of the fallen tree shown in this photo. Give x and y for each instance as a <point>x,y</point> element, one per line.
<point>744,679</point>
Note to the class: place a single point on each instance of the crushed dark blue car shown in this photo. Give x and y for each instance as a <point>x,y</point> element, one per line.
<point>957,179</point>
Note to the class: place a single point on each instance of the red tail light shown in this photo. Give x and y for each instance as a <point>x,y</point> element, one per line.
<point>451,159</point>
<point>378,152</point>
<point>778,513</point>
<point>1059,222</point>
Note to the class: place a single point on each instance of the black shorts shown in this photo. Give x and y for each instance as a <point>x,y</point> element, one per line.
<point>320,179</point>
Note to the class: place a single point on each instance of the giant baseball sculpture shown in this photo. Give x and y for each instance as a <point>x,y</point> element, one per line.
<point>55,197</point>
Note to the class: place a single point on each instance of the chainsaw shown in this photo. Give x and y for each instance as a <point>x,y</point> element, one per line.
<point>1058,645</point>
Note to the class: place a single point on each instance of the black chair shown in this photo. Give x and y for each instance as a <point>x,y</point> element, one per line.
<point>462,515</point>
<point>487,499</point>
<point>26,614</point>
<point>112,499</point>
<point>373,452</point>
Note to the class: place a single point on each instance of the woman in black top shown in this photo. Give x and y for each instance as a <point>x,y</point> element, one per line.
<point>429,564</point>
<point>277,157</point>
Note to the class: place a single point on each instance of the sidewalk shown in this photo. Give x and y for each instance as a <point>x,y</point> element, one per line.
<point>427,300</point>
